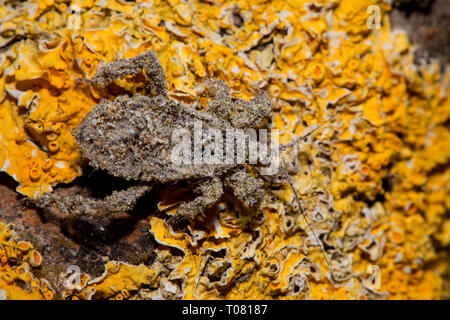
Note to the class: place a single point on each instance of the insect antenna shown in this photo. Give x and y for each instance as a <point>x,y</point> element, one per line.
<point>297,198</point>
<point>87,179</point>
<point>298,139</point>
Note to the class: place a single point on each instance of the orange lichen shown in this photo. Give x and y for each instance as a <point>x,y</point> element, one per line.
<point>117,282</point>
<point>16,277</point>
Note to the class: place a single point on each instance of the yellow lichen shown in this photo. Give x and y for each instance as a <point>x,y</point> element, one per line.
<point>16,269</point>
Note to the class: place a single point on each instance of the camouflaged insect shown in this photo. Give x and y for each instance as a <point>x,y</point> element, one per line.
<point>130,137</point>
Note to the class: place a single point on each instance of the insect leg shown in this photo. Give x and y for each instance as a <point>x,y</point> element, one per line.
<point>210,193</point>
<point>148,61</point>
<point>246,188</point>
<point>117,203</point>
<point>250,114</point>
<point>298,139</point>
<point>222,105</point>
<point>241,113</point>
<point>297,198</point>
